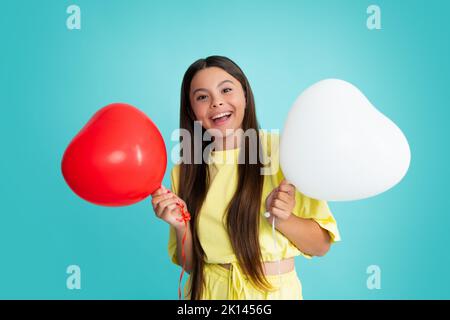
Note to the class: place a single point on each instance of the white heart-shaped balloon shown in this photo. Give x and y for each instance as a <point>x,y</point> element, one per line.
<point>337,146</point>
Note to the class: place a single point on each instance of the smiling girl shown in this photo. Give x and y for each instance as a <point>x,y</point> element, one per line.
<point>229,249</point>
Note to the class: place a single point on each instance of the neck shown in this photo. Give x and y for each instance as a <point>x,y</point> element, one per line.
<point>232,141</point>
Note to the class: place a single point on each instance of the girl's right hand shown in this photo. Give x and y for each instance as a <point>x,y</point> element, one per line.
<point>165,206</point>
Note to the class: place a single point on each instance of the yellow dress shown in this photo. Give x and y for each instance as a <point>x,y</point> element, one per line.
<point>221,283</point>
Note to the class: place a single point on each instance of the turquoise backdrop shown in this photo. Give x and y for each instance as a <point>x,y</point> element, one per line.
<point>53,79</point>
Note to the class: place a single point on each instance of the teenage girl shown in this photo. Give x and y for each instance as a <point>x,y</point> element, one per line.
<point>229,249</point>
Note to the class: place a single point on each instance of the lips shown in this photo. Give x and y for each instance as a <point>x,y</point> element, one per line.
<point>221,114</point>
<point>221,117</point>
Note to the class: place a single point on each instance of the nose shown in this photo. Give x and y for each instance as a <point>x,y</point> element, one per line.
<point>217,103</point>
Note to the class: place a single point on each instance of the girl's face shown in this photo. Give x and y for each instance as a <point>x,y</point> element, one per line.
<point>217,100</point>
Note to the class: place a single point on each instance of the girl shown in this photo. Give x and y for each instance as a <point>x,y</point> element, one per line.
<point>229,250</point>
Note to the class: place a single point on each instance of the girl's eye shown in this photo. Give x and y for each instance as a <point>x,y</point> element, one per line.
<point>201,97</point>
<point>227,90</point>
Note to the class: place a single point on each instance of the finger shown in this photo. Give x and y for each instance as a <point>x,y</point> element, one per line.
<point>166,190</point>
<point>177,214</point>
<point>276,200</point>
<point>166,202</point>
<point>277,203</point>
<point>162,212</point>
<point>288,188</point>
<point>161,197</point>
<point>286,181</point>
<point>182,203</point>
<point>159,191</point>
<point>272,193</point>
<point>164,196</point>
<point>271,196</point>
<point>278,213</point>
<point>284,185</point>
<point>284,196</point>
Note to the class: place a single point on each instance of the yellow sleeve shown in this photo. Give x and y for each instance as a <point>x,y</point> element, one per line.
<point>318,210</point>
<point>172,245</point>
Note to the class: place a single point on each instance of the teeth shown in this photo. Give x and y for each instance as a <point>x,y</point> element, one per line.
<point>221,115</point>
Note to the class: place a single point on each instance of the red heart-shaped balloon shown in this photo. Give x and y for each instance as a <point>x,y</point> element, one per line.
<point>117,159</point>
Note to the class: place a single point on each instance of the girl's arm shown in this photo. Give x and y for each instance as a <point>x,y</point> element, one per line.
<point>187,247</point>
<point>166,205</point>
<point>306,234</point>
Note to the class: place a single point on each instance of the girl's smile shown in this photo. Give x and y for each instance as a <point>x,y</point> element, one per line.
<point>221,118</point>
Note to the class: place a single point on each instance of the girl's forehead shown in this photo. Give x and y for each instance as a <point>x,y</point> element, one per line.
<point>210,78</point>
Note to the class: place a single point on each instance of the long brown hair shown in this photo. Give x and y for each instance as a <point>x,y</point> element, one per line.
<point>243,210</point>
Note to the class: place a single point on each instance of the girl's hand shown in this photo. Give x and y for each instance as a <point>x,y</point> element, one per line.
<point>165,206</point>
<point>281,201</point>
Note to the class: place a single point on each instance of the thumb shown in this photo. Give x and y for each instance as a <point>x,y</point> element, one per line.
<point>284,182</point>
<point>159,191</point>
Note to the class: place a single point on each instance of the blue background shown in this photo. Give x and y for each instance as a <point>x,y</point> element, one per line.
<point>54,79</point>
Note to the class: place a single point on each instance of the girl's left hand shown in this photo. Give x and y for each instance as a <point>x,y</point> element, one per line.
<point>281,201</point>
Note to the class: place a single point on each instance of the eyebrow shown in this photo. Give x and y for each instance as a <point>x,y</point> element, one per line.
<point>203,89</point>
